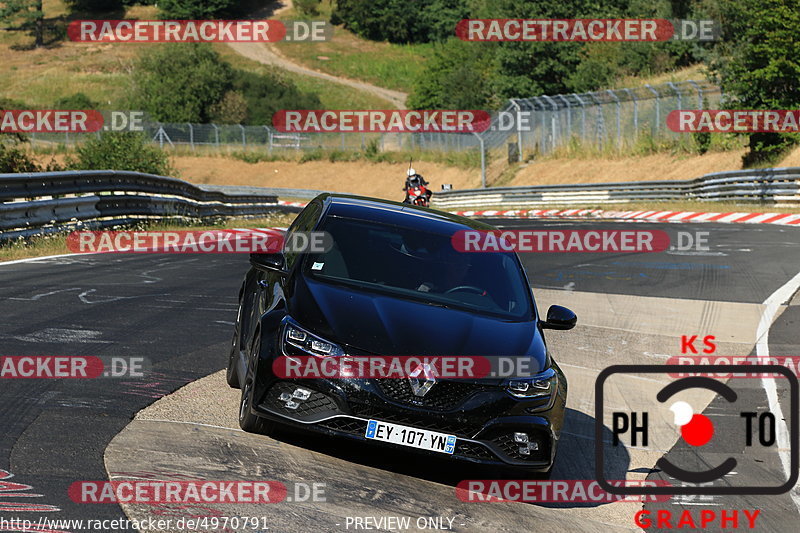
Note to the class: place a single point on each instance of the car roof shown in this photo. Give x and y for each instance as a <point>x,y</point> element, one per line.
<point>397,213</point>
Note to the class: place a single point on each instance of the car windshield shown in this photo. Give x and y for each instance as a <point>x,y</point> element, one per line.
<point>421,265</point>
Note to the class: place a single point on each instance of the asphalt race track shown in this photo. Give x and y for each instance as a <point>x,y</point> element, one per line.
<point>177,312</point>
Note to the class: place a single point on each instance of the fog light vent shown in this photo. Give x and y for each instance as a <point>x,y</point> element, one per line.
<point>301,394</point>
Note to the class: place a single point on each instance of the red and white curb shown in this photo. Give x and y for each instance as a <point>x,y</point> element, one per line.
<point>291,204</point>
<point>785,219</point>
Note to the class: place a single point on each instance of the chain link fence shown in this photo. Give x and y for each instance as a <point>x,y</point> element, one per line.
<point>525,126</point>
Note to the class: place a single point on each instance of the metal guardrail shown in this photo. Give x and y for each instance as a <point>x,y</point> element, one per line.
<point>779,186</point>
<point>51,202</point>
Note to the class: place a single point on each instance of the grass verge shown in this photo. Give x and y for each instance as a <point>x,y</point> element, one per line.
<point>57,244</point>
<point>388,65</point>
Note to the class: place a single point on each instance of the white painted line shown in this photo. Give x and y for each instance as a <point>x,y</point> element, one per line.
<point>771,307</point>
<point>32,259</point>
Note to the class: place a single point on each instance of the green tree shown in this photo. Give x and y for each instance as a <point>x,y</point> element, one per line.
<point>121,150</point>
<point>757,63</point>
<point>28,15</point>
<point>457,76</point>
<point>196,9</point>
<point>267,93</point>
<point>180,82</point>
<point>401,21</point>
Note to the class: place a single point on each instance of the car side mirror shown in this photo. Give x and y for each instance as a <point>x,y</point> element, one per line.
<point>559,317</point>
<point>270,262</point>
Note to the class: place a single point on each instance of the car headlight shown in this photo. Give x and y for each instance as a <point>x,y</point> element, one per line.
<point>303,340</point>
<point>542,384</point>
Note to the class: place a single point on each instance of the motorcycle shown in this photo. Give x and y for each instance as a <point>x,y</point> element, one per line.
<point>417,195</point>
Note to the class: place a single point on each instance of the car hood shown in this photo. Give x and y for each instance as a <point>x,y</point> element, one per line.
<point>388,325</point>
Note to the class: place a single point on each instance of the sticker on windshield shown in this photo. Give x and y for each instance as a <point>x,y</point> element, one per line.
<point>317,266</point>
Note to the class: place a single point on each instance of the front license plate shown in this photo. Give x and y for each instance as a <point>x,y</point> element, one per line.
<point>413,437</point>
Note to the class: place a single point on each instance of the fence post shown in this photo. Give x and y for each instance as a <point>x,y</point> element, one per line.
<point>269,139</point>
<point>635,113</point>
<point>569,115</point>
<point>519,126</point>
<point>216,134</point>
<point>553,118</point>
<point>658,105</point>
<point>619,124</point>
<point>699,93</point>
<point>244,138</point>
<point>601,121</point>
<point>583,115</point>
<point>191,134</point>
<point>677,92</point>
<point>543,141</point>
<point>483,159</point>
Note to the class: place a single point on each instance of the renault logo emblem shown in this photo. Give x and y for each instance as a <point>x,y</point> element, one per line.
<point>422,379</point>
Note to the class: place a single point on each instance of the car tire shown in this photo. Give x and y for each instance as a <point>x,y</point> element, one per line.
<point>247,420</point>
<point>232,374</point>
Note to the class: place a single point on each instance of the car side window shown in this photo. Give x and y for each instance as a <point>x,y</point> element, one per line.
<point>305,221</point>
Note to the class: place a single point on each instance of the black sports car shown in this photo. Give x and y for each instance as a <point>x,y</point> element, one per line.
<point>392,284</point>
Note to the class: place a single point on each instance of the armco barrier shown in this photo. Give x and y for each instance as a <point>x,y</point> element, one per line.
<point>778,186</point>
<point>49,202</point>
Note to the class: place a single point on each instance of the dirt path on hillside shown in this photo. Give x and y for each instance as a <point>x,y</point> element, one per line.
<point>268,54</point>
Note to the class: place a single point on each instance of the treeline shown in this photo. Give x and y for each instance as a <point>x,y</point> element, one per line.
<point>756,60</point>
<point>484,75</point>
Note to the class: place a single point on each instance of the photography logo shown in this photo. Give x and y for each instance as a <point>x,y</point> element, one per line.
<point>747,428</point>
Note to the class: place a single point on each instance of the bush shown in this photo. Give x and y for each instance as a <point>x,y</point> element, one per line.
<point>266,93</point>
<point>232,109</point>
<point>14,159</point>
<point>75,101</point>
<point>308,7</point>
<point>401,21</point>
<point>196,9</point>
<point>181,82</point>
<point>124,150</point>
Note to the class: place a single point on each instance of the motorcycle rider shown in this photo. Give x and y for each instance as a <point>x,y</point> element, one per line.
<point>416,180</point>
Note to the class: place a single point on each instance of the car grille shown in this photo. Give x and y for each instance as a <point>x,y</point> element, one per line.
<point>443,396</point>
<point>346,425</point>
<point>473,450</point>
<point>450,426</point>
<point>316,404</point>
